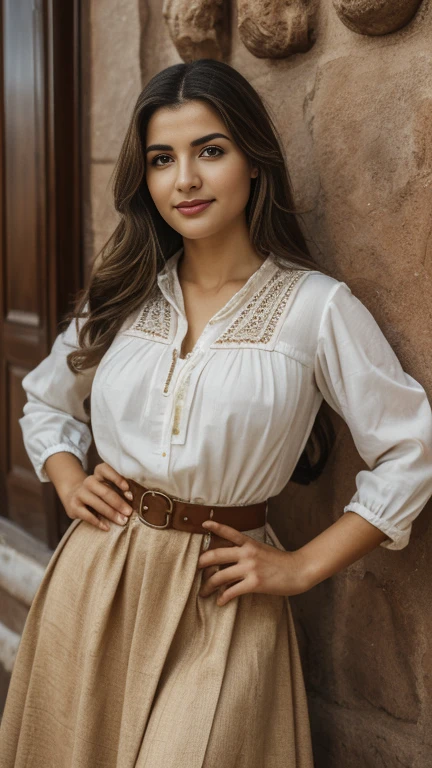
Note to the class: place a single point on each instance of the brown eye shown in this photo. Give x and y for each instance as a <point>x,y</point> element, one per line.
<point>158,157</point>
<point>218,149</point>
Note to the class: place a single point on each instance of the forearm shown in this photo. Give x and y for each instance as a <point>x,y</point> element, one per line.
<point>347,540</point>
<point>64,470</point>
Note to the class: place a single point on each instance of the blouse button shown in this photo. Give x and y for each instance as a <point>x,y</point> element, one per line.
<point>176,431</point>
<point>164,454</point>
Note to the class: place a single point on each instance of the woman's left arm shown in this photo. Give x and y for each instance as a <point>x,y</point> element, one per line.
<point>388,414</point>
<point>390,419</point>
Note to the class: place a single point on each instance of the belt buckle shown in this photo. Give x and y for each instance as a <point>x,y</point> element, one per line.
<point>168,518</point>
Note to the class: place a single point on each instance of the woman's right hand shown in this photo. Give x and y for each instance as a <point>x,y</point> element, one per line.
<point>103,501</point>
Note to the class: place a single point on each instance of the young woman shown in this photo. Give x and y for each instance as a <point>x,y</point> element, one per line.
<point>208,340</point>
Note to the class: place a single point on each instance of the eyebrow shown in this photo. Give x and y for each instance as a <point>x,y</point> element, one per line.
<point>194,143</point>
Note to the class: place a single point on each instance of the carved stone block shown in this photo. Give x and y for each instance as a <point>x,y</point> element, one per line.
<point>369,17</point>
<point>273,29</point>
<point>199,29</point>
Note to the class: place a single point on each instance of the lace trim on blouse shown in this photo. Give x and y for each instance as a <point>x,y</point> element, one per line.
<point>257,322</point>
<point>154,322</point>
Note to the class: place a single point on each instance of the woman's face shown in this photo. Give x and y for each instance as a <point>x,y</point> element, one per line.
<point>215,169</point>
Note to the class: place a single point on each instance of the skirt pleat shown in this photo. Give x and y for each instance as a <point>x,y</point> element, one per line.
<point>123,665</point>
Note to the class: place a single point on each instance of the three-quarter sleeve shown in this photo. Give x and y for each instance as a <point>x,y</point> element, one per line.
<point>386,410</point>
<point>54,417</point>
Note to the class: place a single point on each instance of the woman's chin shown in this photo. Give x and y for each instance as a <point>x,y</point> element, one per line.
<point>198,232</point>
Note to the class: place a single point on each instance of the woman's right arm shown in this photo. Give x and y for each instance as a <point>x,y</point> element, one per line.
<point>57,436</point>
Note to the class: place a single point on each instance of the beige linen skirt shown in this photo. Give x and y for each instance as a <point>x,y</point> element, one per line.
<point>123,665</point>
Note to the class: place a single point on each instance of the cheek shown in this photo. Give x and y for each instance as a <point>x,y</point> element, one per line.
<point>158,188</point>
<point>161,196</point>
<point>232,184</point>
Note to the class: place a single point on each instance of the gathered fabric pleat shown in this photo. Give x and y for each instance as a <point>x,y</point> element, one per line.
<point>123,665</point>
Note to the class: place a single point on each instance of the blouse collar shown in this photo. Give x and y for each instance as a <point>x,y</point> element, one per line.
<point>169,285</point>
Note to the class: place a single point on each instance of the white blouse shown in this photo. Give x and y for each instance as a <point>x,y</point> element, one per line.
<point>227,424</point>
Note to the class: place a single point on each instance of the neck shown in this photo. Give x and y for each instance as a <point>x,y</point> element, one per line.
<point>216,260</point>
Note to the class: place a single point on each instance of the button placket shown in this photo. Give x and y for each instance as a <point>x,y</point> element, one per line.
<point>177,384</point>
<point>182,395</point>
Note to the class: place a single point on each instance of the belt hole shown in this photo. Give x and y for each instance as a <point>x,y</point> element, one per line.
<point>185,518</point>
<point>211,513</point>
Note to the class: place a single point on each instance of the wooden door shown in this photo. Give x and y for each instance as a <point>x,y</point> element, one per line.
<point>40,219</point>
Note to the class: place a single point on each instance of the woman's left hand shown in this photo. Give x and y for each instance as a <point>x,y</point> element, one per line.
<point>253,567</point>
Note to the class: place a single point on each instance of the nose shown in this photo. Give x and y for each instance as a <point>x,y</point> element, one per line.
<point>187,176</point>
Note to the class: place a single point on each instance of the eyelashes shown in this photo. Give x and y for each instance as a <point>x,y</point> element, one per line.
<point>219,150</point>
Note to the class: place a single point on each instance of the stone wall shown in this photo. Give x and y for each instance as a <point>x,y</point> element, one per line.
<point>348,83</point>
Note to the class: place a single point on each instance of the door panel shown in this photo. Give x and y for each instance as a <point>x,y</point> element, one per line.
<point>41,253</point>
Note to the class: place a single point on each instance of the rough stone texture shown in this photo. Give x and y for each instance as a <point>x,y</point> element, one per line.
<point>354,113</point>
<point>199,29</point>
<point>115,77</point>
<point>369,17</point>
<point>378,638</point>
<point>274,30</point>
<point>111,76</point>
<point>374,740</point>
<point>104,215</point>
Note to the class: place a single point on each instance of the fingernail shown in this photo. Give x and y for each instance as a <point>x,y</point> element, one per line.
<point>122,519</point>
<point>129,494</point>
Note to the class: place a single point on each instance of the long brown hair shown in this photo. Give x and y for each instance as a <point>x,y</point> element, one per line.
<point>129,261</point>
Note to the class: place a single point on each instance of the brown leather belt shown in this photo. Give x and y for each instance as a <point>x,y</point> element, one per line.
<point>158,510</point>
